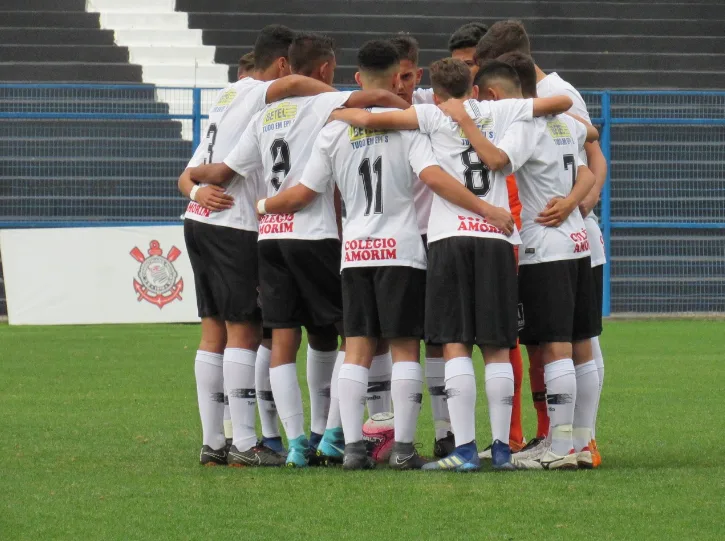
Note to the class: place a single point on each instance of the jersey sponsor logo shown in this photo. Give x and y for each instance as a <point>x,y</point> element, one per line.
<point>360,137</point>
<point>581,241</point>
<point>271,224</point>
<point>224,101</point>
<point>280,116</point>
<point>559,131</point>
<point>479,225</point>
<point>380,249</point>
<point>196,208</point>
<point>158,281</point>
<point>485,126</point>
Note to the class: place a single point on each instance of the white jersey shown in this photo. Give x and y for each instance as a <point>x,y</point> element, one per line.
<point>544,171</point>
<point>457,157</point>
<point>553,85</point>
<point>423,95</point>
<point>422,194</point>
<point>280,139</point>
<point>375,172</point>
<point>233,108</point>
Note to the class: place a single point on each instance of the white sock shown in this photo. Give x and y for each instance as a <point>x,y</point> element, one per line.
<point>461,392</point>
<point>585,409</point>
<point>210,393</point>
<point>287,396</point>
<point>407,391</point>
<point>599,359</point>
<point>239,378</point>
<point>500,394</point>
<point>352,386</point>
<point>320,365</point>
<point>265,399</point>
<point>378,394</point>
<point>333,418</point>
<point>227,415</point>
<point>560,380</point>
<point>435,377</point>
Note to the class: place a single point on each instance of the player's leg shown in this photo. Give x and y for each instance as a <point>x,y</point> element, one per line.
<point>598,276</point>
<point>331,447</point>
<point>435,376</point>
<point>265,400</point>
<point>536,446</point>
<point>378,397</point>
<point>516,434</point>
<point>499,378</point>
<point>321,357</point>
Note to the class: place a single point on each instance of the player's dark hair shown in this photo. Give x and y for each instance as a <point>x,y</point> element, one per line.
<point>503,37</point>
<point>407,47</point>
<point>495,69</point>
<point>273,42</point>
<point>467,36</point>
<point>246,62</point>
<point>308,51</point>
<point>377,56</point>
<point>525,69</point>
<point>450,78</point>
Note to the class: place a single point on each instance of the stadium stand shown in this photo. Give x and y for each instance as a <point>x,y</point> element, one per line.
<point>662,44</point>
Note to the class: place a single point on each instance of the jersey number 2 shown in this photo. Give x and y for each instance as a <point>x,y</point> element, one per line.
<point>475,173</point>
<point>280,156</point>
<point>367,180</point>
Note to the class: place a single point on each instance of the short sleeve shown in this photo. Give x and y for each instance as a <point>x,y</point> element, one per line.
<point>318,175</point>
<point>327,102</point>
<point>198,157</point>
<point>257,96</point>
<point>420,151</point>
<point>519,142</point>
<point>423,95</point>
<point>429,117</point>
<point>506,112</point>
<point>245,158</point>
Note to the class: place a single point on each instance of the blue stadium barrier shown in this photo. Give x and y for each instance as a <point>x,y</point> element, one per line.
<point>99,155</point>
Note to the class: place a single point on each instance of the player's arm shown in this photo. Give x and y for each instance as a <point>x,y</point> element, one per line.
<point>211,173</point>
<point>210,197</point>
<point>287,201</point>
<point>371,98</point>
<point>295,85</point>
<point>552,106</point>
<point>559,209</point>
<point>598,165</point>
<point>389,120</point>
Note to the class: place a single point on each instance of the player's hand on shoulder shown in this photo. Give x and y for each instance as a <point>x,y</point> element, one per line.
<point>214,198</point>
<point>556,212</point>
<point>501,218</point>
<point>454,108</point>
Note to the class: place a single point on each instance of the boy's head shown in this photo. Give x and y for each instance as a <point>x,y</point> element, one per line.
<point>271,50</point>
<point>451,78</point>
<point>245,66</point>
<point>462,43</point>
<point>497,80</point>
<point>313,55</point>
<point>525,69</point>
<point>410,74</point>
<point>503,37</point>
<point>378,63</point>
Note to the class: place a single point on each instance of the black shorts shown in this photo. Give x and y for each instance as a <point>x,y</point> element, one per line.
<point>383,302</point>
<point>598,273</point>
<point>557,302</point>
<point>300,284</point>
<point>224,261</point>
<point>471,292</point>
<point>424,238</point>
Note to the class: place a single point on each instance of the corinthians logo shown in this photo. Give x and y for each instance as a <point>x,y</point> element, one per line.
<point>158,282</point>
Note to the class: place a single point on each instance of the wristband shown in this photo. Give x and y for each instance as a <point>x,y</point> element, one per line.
<point>192,193</point>
<point>261,208</point>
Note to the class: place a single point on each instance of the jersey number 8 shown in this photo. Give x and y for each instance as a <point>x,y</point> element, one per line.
<point>476,173</point>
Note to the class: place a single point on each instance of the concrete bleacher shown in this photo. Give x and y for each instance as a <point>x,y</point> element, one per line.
<point>594,45</point>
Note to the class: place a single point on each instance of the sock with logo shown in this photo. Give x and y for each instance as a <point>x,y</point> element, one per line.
<point>352,385</point>
<point>227,415</point>
<point>538,393</point>
<point>585,408</point>
<point>333,417</point>
<point>407,391</point>
<point>210,393</point>
<point>516,431</point>
<point>435,377</point>
<point>239,377</point>
<point>461,392</point>
<point>320,365</point>
<point>500,394</point>
<point>378,395</point>
<point>599,359</point>
<point>560,379</point>
<point>287,396</point>
<point>265,399</point>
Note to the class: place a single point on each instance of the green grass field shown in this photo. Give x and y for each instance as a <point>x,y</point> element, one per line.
<point>100,440</point>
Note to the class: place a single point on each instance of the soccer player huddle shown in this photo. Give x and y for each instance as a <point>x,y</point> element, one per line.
<point>382,217</point>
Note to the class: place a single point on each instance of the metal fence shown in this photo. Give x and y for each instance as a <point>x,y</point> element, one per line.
<point>83,155</point>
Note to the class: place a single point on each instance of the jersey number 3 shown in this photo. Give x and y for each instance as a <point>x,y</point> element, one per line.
<point>280,156</point>
<point>475,173</point>
<point>367,180</point>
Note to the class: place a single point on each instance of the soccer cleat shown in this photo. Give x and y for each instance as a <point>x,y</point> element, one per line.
<point>356,457</point>
<point>584,459</point>
<point>462,459</point>
<point>299,452</point>
<point>501,456</point>
<point>314,459</point>
<point>552,461</point>
<point>259,455</point>
<point>515,448</point>
<point>444,446</point>
<point>596,457</point>
<point>212,457</point>
<point>331,449</point>
<point>275,444</point>
<point>405,457</point>
<point>533,450</point>
<point>525,463</point>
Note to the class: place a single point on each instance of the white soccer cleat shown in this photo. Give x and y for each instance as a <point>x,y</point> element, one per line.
<point>485,454</point>
<point>552,461</point>
<point>533,450</point>
<point>584,459</point>
<point>525,463</point>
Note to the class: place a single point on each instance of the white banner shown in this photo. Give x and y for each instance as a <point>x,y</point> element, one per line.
<point>97,275</point>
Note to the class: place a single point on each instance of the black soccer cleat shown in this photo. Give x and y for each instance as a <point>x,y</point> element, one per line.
<point>405,457</point>
<point>356,457</point>
<point>259,455</point>
<point>212,457</point>
<point>444,446</point>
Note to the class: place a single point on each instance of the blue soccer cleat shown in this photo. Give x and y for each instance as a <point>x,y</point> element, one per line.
<point>501,456</point>
<point>275,444</point>
<point>299,451</point>
<point>463,459</point>
<point>332,447</point>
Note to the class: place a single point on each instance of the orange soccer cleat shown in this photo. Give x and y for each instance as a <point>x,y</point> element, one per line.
<point>596,457</point>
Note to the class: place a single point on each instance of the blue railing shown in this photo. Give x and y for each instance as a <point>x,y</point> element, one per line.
<point>90,155</point>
